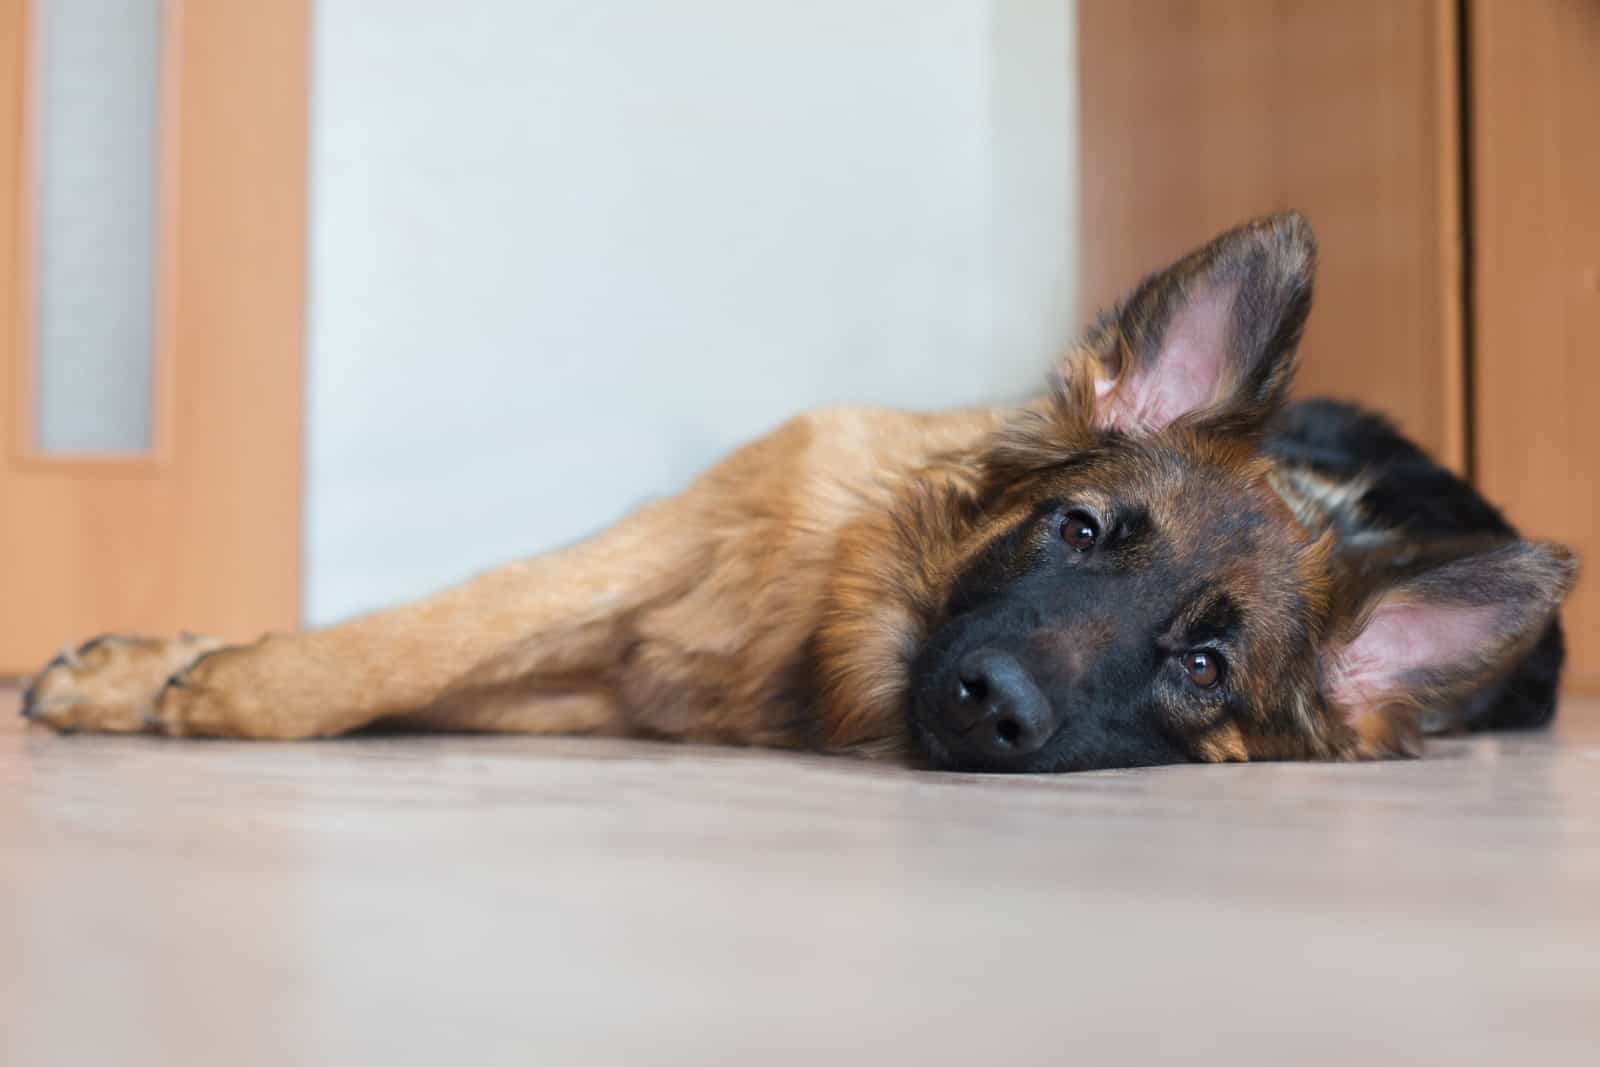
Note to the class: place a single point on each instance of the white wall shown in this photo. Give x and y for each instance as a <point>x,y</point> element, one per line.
<point>566,252</point>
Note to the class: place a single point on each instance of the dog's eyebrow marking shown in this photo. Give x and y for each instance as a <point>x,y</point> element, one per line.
<point>1131,523</point>
<point>1219,618</point>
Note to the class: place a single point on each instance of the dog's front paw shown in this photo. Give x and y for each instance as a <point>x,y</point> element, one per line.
<point>111,684</point>
<point>266,690</point>
<point>224,693</point>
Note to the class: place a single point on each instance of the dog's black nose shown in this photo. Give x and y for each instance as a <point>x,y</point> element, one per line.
<point>993,707</point>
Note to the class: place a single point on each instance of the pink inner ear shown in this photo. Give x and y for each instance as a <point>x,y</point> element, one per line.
<point>1184,376</point>
<point>1402,638</point>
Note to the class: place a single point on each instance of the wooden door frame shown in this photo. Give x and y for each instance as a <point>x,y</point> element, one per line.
<point>1536,281</point>
<point>220,488</point>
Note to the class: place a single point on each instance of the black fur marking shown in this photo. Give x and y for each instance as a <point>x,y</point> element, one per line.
<point>1132,523</point>
<point>1412,494</point>
<point>30,696</point>
<point>94,643</point>
<point>1219,620</point>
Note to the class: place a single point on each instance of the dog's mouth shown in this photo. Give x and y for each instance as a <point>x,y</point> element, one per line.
<point>921,716</point>
<point>930,751</point>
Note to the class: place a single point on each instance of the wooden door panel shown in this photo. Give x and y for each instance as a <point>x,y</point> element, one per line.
<point>203,531</point>
<point>1535,123</point>
<point>1197,116</point>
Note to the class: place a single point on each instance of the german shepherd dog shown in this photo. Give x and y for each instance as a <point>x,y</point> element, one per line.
<point>1156,561</point>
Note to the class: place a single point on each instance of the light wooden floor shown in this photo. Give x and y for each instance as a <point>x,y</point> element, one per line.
<point>481,900</point>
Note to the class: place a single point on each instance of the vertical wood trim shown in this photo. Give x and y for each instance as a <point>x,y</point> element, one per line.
<point>169,204</point>
<point>16,225</point>
<point>1454,357</point>
<point>1535,157</point>
<point>240,291</point>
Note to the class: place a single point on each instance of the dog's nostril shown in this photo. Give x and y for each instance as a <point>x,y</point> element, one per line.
<point>1008,730</point>
<point>989,706</point>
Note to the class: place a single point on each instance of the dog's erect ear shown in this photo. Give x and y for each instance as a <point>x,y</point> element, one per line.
<point>1215,332</point>
<point>1425,636</point>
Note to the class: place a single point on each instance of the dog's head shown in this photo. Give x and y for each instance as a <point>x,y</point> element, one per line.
<point>1123,582</point>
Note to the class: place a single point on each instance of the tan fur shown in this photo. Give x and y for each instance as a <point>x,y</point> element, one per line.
<point>686,620</point>
<point>778,601</point>
<point>1225,744</point>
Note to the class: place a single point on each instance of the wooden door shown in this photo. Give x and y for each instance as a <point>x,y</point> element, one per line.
<point>1535,181</point>
<point>197,528</point>
<point>1196,116</point>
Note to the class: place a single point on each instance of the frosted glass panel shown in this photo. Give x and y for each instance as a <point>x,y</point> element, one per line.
<point>98,100</point>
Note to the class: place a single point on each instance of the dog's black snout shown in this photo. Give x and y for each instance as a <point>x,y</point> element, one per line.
<point>993,707</point>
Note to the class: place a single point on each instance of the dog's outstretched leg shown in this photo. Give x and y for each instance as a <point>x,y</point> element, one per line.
<point>689,619</point>
<point>435,663</point>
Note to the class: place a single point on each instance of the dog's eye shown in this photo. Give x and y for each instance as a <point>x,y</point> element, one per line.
<point>1078,529</point>
<point>1204,667</point>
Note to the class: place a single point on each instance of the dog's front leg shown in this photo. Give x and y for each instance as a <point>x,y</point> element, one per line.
<point>436,663</point>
